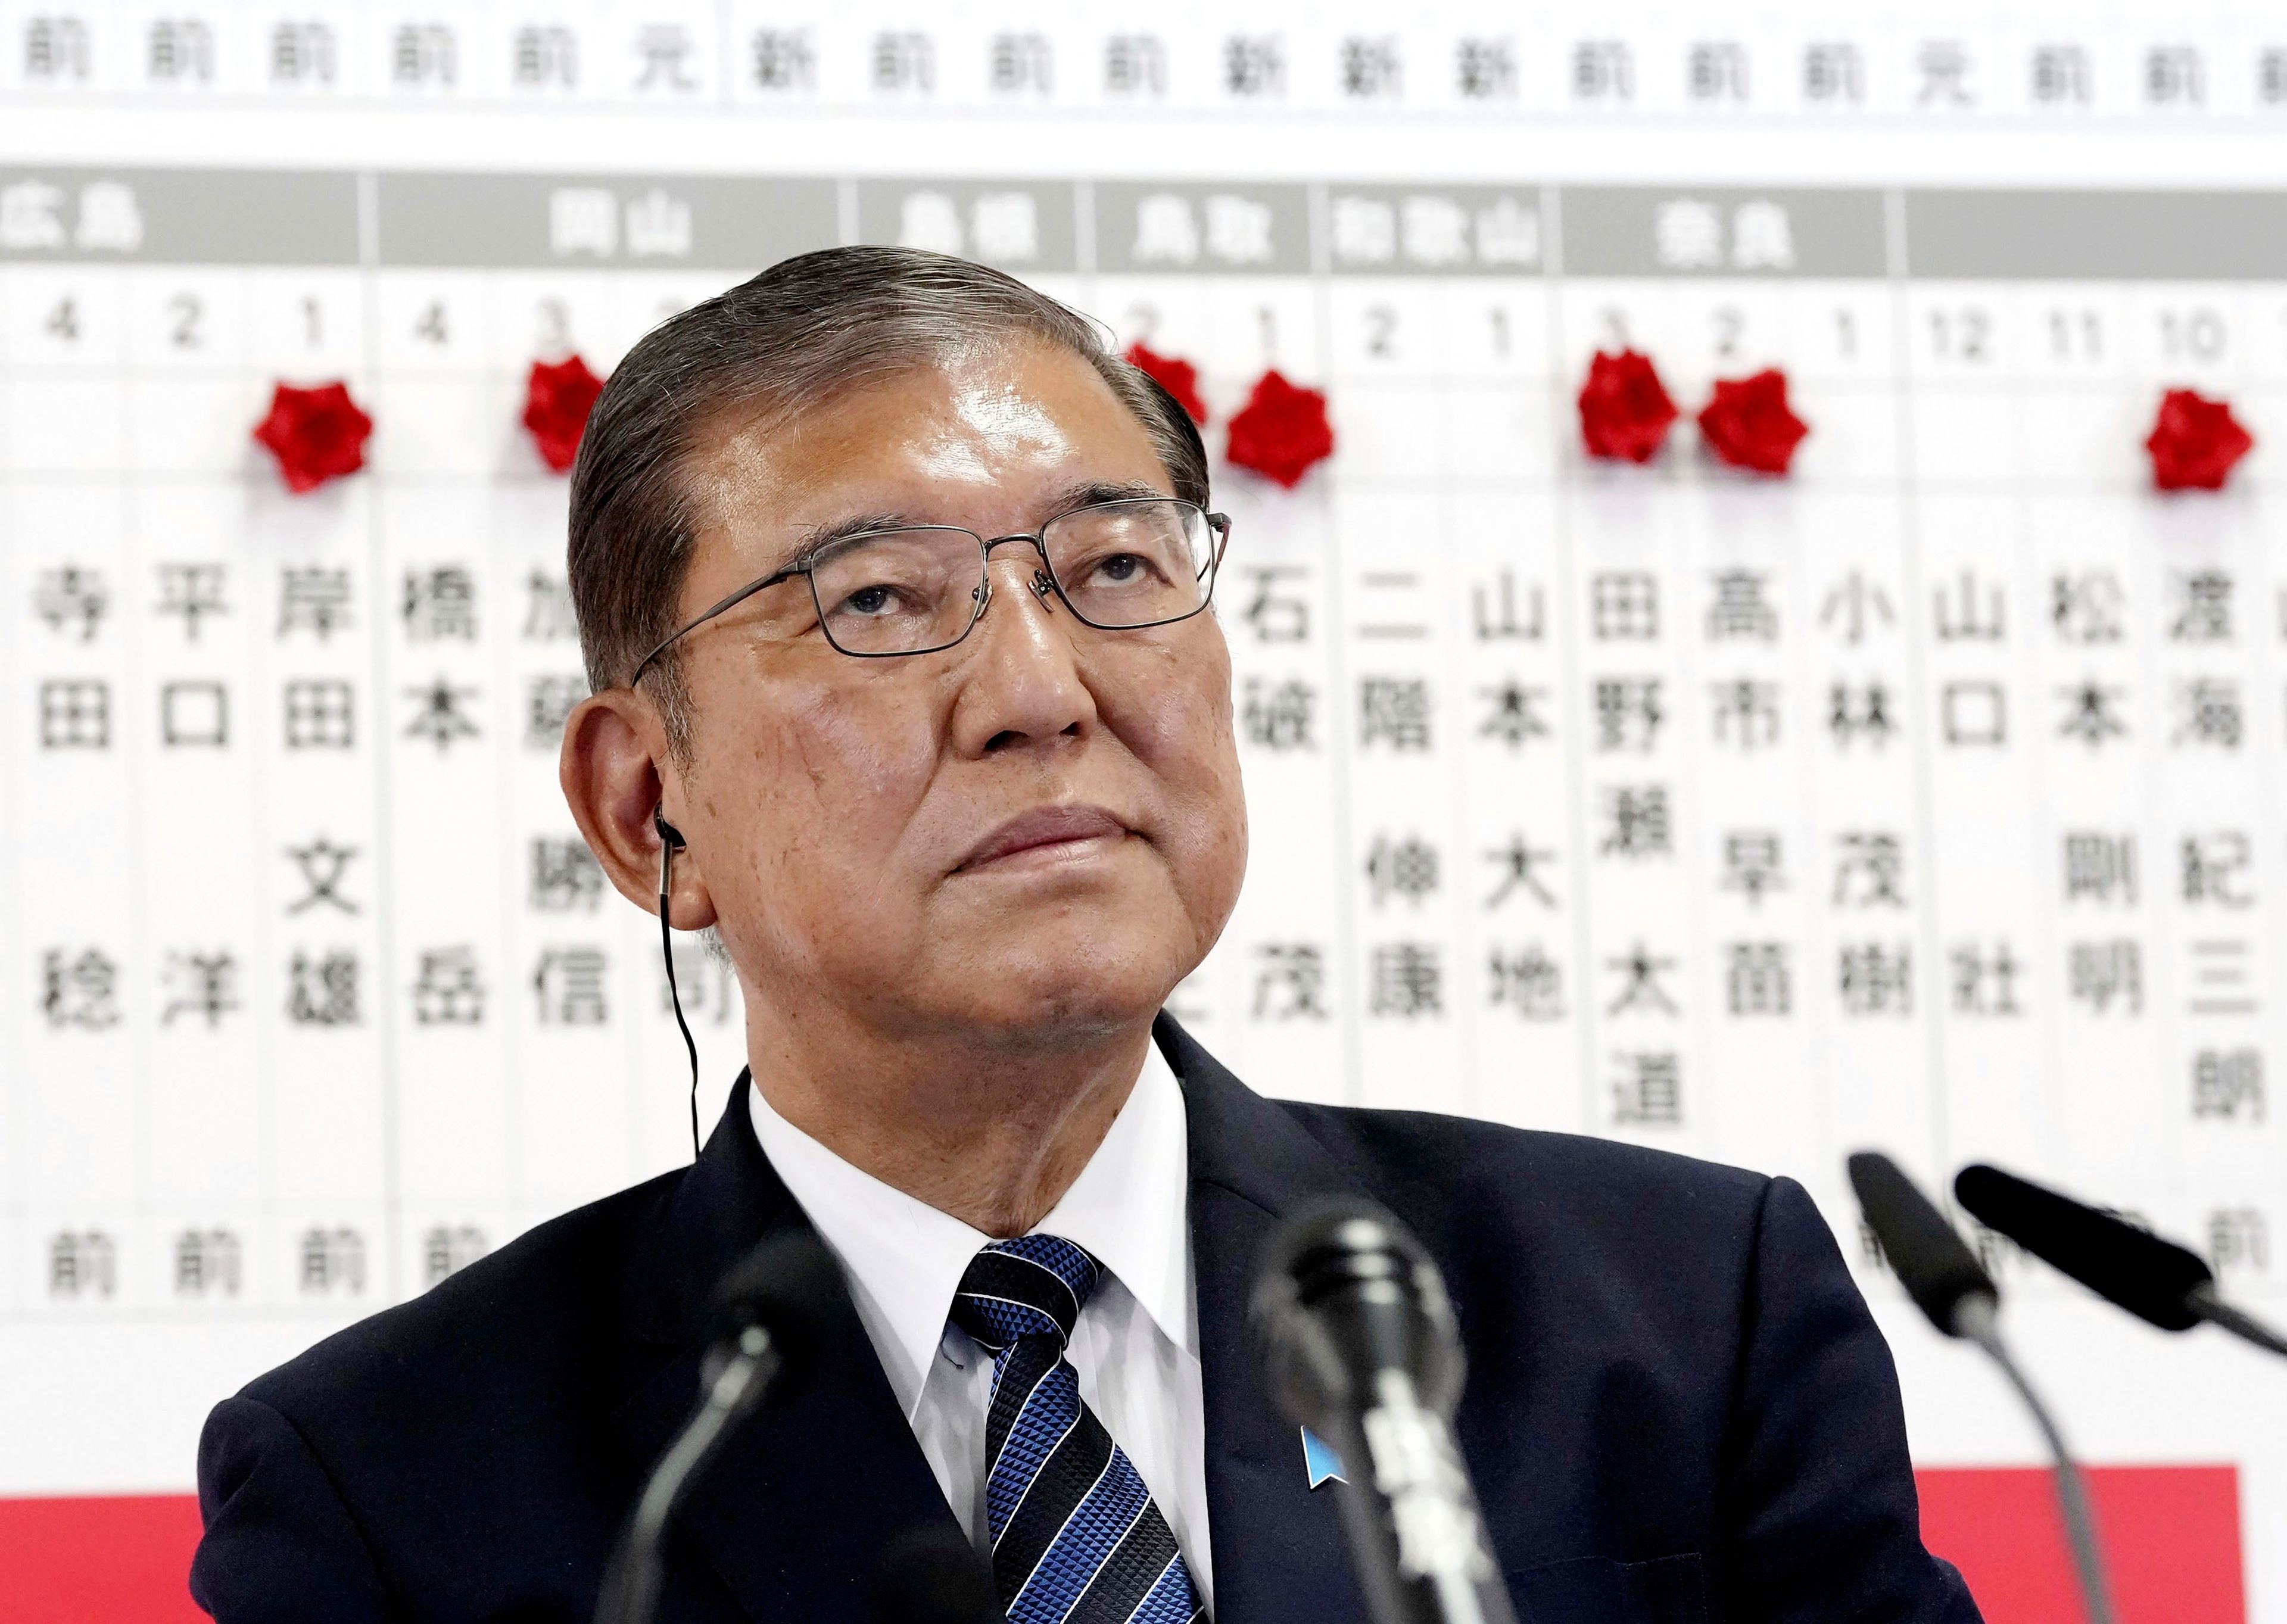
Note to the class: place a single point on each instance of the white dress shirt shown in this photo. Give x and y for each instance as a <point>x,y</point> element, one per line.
<point>1136,1346</point>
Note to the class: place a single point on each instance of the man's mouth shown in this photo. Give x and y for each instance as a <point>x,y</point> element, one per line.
<point>1047,831</point>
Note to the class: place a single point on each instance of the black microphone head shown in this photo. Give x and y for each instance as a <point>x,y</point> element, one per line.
<point>791,1286</point>
<point>1931,1260</point>
<point>933,1576</point>
<point>2147,1276</point>
<point>1342,1290</point>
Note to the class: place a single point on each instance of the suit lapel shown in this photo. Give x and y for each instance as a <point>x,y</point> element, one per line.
<point>1279,1553</point>
<point>794,1515</point>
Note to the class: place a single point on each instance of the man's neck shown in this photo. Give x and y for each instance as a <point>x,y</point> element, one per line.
<point>992,1134</point>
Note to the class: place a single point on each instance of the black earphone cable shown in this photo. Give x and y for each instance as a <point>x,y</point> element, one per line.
<point>667,841</point>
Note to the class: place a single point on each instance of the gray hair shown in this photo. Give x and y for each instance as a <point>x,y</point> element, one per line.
<point>806,330</point>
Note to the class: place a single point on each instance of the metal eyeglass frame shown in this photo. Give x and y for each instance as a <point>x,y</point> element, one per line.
<point>1044,580</point>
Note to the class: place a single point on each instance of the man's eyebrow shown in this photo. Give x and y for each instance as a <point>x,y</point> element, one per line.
<point>1094,493</point>
<point>821,537</point>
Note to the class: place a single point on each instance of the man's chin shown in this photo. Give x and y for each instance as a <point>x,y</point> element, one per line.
<point>1037,998</point>
<point>1071,1010</point>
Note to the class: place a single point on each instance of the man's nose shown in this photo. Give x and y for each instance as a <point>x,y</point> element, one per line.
<point>1023,679</point>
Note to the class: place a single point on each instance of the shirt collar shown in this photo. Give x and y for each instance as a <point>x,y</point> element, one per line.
<point>1130,1206</point>
<point>904,1258</point>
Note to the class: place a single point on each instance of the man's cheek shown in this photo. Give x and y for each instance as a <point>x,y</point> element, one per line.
<point>842,763</point>
<point>1175,726</point>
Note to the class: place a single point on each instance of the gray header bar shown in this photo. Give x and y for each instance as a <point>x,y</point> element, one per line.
<point>1023,226</point>
<point>1179,227</point>
<point>178,217</point>
<point>2109,236</point>
<point>297,217</point>
<point>644,222</point>
<point>1433,230</point>
<point>1718,231</point>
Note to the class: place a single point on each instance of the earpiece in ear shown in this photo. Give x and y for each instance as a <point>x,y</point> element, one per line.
<point>669,836</point>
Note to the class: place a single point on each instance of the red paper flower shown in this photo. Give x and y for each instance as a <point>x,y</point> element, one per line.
<point>1179,378</point>
<point>1282,431</point>
<point>316,434</point>
<point>1625,410</point>
<point>1748,424</point>
<point>557,400</point>
<point>2195,443</point>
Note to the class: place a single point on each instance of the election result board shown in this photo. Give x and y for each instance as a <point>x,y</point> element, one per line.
<point>1785,653</point>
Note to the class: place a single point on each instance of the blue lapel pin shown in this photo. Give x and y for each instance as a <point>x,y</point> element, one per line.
<point>1319,1461</point>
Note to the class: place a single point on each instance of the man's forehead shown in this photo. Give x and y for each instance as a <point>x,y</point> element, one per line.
<point>992,440</point>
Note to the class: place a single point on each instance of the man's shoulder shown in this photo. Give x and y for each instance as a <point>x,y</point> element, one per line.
<point>549,1304</point>
<point>1643,1256</point>
<point>1434,1149</point>
<point>1488,1183</point>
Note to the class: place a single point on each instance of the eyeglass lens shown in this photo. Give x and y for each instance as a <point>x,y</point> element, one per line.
<point>1122,564</point>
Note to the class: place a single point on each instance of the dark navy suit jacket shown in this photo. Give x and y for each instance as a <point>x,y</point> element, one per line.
<point>1678,1407</point>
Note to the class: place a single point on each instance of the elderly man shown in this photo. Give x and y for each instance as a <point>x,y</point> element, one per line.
<point>894,589</point>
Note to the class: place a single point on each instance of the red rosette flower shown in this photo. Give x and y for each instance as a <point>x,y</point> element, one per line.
<point>1625,409</point>
<point>1282,431</point>
<point>316,434</point>
<point>558,398</point>
<point>1179,378</point>
<point>2195,443</point>
<point>1748,423</point>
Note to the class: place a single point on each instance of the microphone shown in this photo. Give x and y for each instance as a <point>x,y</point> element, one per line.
<point>1356,1339</point>
<point>1948,1284</point>
<point>2156,1280</point>
<point>932,1576</point>
<point>771,1311</point>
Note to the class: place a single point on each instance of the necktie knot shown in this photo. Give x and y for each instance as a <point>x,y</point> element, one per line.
<point>1033,1286</point>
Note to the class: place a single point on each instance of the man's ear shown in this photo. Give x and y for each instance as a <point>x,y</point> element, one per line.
<point>616,772</point>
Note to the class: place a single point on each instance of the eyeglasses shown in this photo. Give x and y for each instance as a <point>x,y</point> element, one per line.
<point>1116,565</point>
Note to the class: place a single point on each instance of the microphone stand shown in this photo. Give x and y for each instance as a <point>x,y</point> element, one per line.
<point>2205,1302</point>
<point>732,1390</point>
<point>1976,1318</point>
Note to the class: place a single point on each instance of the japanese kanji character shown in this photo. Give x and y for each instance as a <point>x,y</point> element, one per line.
<point>569,985</point>
<point>1290,981</point>
<point>1757,978</point>
<point>1406,980</point>
<point>1875,979</point>
<point>1636,822</point>
<point>1528,981</point>
<point>448,988</point>
<point>322,989</point>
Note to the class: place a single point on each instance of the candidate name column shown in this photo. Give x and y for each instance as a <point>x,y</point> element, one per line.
<point>319,712</point>
<point>1217,278</point>
<point>77,954</point>
<point>2199,317</point>
<point>1626,564</point>
<point>1980,445</point>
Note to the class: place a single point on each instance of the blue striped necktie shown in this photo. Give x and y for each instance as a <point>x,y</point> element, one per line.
<point>1076,1539</point>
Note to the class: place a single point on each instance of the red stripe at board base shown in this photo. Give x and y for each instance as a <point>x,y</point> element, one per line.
<point>2170,1539</point>
<point>2171,1535</point>
<point>98,1559</point>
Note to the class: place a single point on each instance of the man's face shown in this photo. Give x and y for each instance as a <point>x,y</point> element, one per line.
<point>1029,837</point>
